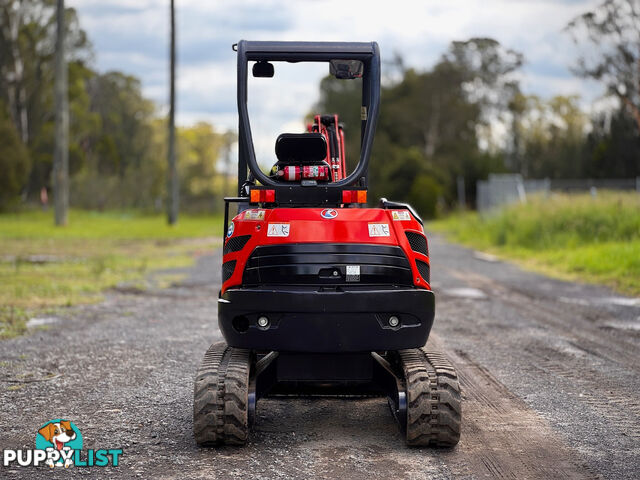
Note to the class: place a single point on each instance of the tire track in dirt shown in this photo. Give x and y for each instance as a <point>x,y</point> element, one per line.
<point>502,437</point>
<point>577,358</point>
<point>572,320</point>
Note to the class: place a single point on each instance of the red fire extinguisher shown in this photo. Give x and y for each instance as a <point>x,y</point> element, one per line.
<point>313,172</point>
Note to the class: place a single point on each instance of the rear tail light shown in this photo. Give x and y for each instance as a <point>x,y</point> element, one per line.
<point>354,196</point>
<point>269,196</point>
<point>262,196</point>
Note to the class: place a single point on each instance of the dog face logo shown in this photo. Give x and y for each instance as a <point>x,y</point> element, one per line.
<point>58,433</point>
<point>59,438</point>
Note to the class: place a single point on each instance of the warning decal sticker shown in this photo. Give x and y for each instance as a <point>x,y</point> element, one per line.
<point>254,215</point>
<point>379,230</point>
<point>278,230</point>
<point>400,215</point>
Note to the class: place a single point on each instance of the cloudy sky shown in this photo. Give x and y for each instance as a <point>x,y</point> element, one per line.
<point>133,37</point>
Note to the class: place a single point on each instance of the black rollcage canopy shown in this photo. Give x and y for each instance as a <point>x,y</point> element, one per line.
<point>367,52</point>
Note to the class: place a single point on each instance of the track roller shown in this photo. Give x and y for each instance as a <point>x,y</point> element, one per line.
<point>433,399</point>
<point>221,396</point>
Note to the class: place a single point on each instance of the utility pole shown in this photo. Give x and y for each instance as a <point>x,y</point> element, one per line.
<point>462,202</point>
<point>228,141</point>
<point>172,185</point>
<point>61,149</point>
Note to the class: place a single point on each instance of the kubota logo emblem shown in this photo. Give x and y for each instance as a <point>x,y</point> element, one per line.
<point>329,213</point>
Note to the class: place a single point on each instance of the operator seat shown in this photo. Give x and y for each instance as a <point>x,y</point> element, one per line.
<point>298,151</point>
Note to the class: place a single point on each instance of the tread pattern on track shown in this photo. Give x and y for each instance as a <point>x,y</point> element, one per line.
<point>433,399</point>
<point>220,396</point>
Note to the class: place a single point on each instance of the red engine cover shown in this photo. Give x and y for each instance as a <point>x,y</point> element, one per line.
<point>329,225</point>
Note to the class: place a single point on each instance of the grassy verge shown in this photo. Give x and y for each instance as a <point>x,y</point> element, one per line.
<point>43,267</point>
<point>574,237</point>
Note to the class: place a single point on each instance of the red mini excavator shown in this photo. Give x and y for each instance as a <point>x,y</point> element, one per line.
<point>321,293</point>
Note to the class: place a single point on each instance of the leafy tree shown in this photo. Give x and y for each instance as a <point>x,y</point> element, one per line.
<point>424,195</point>
<point>199,149</point>
<point>614,147</point>
<point>123,132</point>
<point>610,35</point>
<point>550,137</point>
<point>27,39</point>
<point>27,43</point>
<point>430,121</point>
<point>116,145</point>
<point>487,69</point>
<point>14,161</point>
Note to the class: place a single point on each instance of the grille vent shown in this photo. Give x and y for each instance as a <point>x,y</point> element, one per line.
<point>235,244</point>
<point>418,243</point>
<point>424,270</point>
<point>227,270</point>
<point>314,264</point>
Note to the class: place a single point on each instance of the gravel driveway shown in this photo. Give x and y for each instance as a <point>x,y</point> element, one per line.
<point>549,372</point>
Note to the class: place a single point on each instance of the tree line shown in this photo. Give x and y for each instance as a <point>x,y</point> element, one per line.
<point>467,116</point>
<point>117,137</point>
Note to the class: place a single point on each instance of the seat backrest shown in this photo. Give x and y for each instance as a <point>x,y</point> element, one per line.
<point>301,148</point>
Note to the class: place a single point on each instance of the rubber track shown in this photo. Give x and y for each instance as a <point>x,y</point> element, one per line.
<point>220,396</point>
<point>433,399</point>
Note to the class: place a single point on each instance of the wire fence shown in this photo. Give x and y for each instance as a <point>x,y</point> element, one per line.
<point>504,189</point>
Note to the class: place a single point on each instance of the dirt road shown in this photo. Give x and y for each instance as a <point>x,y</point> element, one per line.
<point>550,373</point>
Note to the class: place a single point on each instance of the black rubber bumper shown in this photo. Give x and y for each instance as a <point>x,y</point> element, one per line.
<point>316,320</point>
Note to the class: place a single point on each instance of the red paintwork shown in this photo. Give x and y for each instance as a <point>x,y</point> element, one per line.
<point>308,226</point>
<point>343,155</point>
<point>338,159</point>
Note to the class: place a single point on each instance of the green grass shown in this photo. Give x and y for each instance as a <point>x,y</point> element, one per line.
<point>575,237</point>
<point>12,321</point>
<point>106,225</point>
<point>44,267</point>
